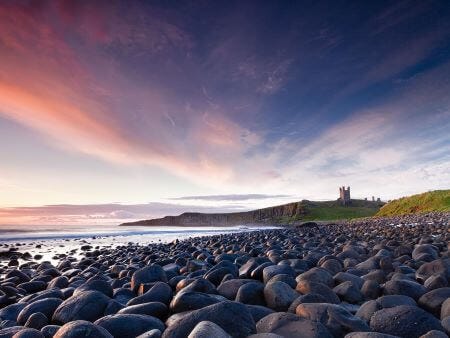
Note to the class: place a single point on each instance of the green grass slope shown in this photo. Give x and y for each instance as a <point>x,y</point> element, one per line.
<point>290,213</point>
<point>438,200</point>
<point>333,210</point>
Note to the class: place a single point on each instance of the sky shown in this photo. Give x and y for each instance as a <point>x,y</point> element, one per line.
<point>122,110</point>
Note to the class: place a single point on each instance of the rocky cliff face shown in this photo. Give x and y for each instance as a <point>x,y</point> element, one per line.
<point>280,214</point>
<point>265,215</point>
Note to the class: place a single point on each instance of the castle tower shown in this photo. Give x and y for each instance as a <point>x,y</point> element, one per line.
<point>344,195</point>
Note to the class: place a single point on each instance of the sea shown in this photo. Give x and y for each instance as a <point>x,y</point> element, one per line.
<point>49,241</point>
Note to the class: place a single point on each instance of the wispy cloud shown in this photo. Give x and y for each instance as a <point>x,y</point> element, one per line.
<point>117,117</point>
<point>112,212</point>
<point>400,144</point>
<point>233,197</point>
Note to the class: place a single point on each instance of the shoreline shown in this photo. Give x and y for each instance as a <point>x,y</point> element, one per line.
<point>279,281</point>
<point>67,234</point>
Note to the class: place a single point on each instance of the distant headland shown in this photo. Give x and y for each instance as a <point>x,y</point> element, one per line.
<point>297,212</point>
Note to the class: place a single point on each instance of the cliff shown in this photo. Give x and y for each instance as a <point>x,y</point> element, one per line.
<point>281,214</point>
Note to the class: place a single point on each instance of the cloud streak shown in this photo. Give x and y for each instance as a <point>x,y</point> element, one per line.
<point>232,197</point>
<point>111,212</point>
<point>156,129</point>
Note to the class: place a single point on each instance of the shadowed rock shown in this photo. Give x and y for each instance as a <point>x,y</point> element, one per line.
<point>410,321</point>
<point>232,317</point>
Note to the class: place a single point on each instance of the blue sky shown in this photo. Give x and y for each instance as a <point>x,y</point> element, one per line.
<point>141,104</point>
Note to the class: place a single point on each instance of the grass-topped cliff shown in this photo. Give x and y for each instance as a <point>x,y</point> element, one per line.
<point>281,214</point>
<point>438,200</point>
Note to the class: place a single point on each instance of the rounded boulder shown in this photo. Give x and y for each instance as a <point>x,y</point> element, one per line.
<point>81,329</point>
<point>410,321</point>
<point>86,305</point>
<point>129,325</point>
<point>290,325</point>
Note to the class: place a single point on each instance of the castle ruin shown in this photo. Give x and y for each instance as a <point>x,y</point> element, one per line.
<point>344,195</point>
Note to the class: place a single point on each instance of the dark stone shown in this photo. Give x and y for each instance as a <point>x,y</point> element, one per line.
<point>28,333</point>
<point>427,249</point>
<point>155,333</point>
<point>10,331</point>
<point>232,317</point>
<point>199,285</point>
<point>257,272</point>
<point>410,321</point>
<point>53,293</point>
<point>265,335</point>
<point>86,305</point>
<point>129,325</point>
<point>369,335</point>
<point>290,325</point>
<point>337,319</point>
<point>307,287</point>
<point>436,281</point>
<point>22,277</point>
<point>251,293</point>
<point>279,296</point>
<point>36,321</point>
<point>246,269</point>
<point>11,312</point>
<point>82,329</point>
<point>7,323</point>
<point>187,301</point>
<point>153,273</point>
<point>219,271</point>
<point>342,277</point>
<point>60,282</point>
<point>404,287</point>
<point>378,276</point>
<point>309,298</point>
<point>46,306</point>
<point>371,289</point>
<point>446,325</point>
<point>426,270</point>
<point>206,329</point>
<point>155,309</point>
<point>96,285</point>
<point>123,295</point>
<point>258,312</point>
<point>433,300</point>
<point>367,309</point>
<point>434,334</point>
<point>33,286</point>
<point>113,307</point>
<point>230,288</point>
<point>274,270</point>
<point>288,279</point>
<point>50,330</point>
<point>318,275</point>
<point>160,292</point>
<point>348,292</point>
<point>445,309</point>
<point>333,265</point>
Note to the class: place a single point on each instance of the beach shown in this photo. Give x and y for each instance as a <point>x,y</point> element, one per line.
<point>344,279</point>
<point>52,242</point>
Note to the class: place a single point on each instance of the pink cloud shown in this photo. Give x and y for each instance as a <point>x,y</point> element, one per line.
<point>95,108</point>
<point>103,213</point>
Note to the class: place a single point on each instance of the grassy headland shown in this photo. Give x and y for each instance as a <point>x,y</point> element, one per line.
<point>438,200</point>
<point>290,213</point>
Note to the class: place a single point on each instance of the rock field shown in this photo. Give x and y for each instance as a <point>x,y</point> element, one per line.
<point>374,278</point>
